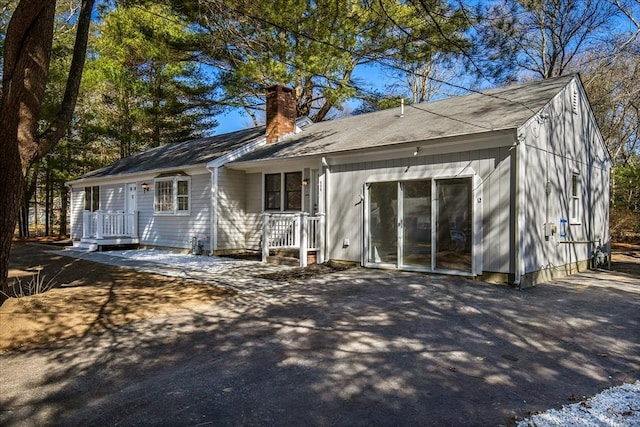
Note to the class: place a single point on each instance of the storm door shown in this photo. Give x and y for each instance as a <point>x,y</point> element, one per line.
<point>454,225</point>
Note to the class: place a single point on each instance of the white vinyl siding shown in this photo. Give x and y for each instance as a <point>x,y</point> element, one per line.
<point>77,209</point>
<point>554,150</point>
<point>112,197</point>
<point>231,209</point>
<point>253,217</point>
<point>177,231</point>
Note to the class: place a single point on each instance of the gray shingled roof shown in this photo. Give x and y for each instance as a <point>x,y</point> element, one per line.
<point>177,155</point>
<point>496,109</point>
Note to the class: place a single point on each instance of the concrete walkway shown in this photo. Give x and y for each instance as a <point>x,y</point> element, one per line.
<point>240,275</point>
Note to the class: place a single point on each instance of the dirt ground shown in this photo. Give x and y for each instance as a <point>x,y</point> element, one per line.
<point>87,298</point>
<point>626,258</point>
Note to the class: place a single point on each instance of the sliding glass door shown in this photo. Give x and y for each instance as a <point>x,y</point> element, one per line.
<point>454,219</point>
<point>420,224</point>
<point>416,223</point>
<point>383,220</point>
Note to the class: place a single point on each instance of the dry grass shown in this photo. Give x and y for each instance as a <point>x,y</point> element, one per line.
<point>89,298</point>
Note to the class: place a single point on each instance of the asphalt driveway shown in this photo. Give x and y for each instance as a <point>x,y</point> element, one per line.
<point>359,347</point>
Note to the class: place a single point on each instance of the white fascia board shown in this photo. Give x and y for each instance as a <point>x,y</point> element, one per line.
<point>592,116</point>
<point>137,176</point>
<point>277,165</point>
<point>467,142</point>
<point>470,142</point>
<point>237,153</point>
<point>250,146</point>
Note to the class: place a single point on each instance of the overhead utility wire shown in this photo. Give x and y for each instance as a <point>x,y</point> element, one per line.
<point>397,67</point>
<point>372,59</point>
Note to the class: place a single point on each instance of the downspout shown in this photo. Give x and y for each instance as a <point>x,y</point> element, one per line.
<point>327,221</point>
<point>517,214</point>
<point>213,217</point>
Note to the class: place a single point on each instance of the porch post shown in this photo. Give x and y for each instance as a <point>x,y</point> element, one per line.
<point>265,236</point>
<point>320,239</point>
<point>134,225</point>
<point>303,238</point>
<point>85,224</point>
<point>99,224</point>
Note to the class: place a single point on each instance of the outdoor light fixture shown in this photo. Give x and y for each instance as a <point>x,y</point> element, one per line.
<point>415,153</point>
<point>145,187</point>
<point>305,182</point>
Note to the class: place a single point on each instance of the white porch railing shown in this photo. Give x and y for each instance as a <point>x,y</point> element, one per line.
<point>292,231</point>
<point>100,225</point>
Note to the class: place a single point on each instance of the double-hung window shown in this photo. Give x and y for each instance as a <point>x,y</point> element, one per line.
<point>574,208</point>
<point>172,195</point>
<point>283,191</point>
<point>272,191</point>
<point>92,198</point>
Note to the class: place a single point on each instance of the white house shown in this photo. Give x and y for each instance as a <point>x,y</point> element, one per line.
<point>508,185</point>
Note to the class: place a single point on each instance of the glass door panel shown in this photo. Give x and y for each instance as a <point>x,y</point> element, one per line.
<point>454,219</point>
<point>416,208</point>
<point>383,223</point>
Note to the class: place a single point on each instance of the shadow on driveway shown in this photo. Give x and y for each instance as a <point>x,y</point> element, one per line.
<point>360,347</point>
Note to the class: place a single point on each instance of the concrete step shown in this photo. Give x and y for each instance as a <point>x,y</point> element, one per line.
<point>85,246</point>
<point>283,260</point>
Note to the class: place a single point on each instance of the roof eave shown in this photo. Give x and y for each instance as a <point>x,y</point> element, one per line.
<point>439,142</point>
<point>121,177</point>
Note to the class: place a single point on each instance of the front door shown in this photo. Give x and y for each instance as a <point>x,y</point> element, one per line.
<point>420,224</point>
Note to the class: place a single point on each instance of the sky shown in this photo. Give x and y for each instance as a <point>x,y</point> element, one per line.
<point>372,77</point>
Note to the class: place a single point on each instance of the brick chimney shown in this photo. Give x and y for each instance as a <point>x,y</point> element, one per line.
<point>281,112</point>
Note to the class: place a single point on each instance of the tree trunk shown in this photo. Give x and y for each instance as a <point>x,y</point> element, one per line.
<point>48,201</point>
<point>64,206</point>
<point>27,54</point>
<point>31,185</point>
<point>23,221</point>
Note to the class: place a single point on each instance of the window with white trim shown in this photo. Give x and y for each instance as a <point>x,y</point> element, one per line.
<point>283,191</point>
<point>574,208</point>
<point>272,191</point>
<point>172,195</point>
<point>92,198</point>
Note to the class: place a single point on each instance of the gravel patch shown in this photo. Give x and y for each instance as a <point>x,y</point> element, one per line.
<point>615,406</point>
